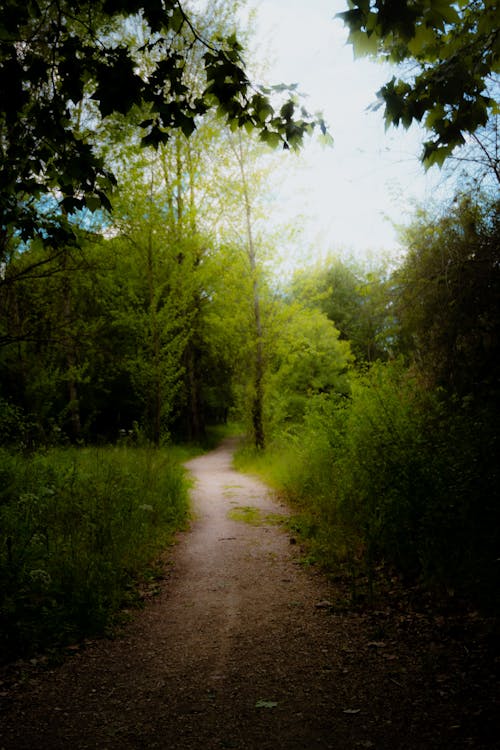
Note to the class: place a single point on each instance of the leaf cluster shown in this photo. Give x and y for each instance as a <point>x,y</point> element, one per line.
<point>453,48</point>
<point>65,67</point>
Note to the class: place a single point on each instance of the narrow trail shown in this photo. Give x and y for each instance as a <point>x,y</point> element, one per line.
<point>239,650</point>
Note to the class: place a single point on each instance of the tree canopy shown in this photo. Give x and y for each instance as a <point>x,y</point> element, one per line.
<point>64,67</point>
<point>453,48</point>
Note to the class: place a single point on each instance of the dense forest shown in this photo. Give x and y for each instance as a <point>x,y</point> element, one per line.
<point>140,307</point>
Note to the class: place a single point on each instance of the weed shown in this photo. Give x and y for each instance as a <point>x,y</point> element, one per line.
<point>77,527</point>
<point>246,514</point>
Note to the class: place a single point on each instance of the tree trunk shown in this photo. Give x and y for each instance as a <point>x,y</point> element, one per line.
<point>155,396</point>
<point>196,421</point>
<point>70,356</point>
<point>258,385</point>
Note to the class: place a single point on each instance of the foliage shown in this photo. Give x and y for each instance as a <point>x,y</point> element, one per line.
<point>12,424</point>
<point>64,68</point>
<point>477,163</point>
<point>240,319</point>
<point>447,297</point>
<point>353,298</point>
<point>395,475</point>
<point>404,470</point>
<point>77,527</point>
<point>107,335</point>
<point>453,50</point>
<point>309,362</point>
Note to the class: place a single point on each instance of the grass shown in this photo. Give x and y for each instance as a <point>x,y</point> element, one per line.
<point>246,514</point>
<point>255,517</point>
<point>78,528</point>
<point>272,466</point>
<point>330,545</point>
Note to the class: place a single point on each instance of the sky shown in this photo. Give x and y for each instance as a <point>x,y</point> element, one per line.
<point>346,199</point>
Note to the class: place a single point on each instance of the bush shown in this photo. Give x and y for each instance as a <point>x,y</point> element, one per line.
<point>77,526</point>
<point>401,475</point>
<point>12,424</point>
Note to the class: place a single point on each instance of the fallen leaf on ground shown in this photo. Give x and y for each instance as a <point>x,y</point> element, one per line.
<point>266,704</point>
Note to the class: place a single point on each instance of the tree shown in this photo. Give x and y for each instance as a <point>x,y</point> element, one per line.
<point>353,298</point>
<point>447,294</point>
<point>50,324</point>
<point>309,361</point>
<point>241,157</point>
<point>477,163</point>
<point>64,68</point>
<point>451,53</point>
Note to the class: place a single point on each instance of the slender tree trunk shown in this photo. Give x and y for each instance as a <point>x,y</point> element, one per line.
<point>258,394</point>
<point>71,361</point>
<point>185,223</point>
<point>196,421</point>
<point>257,406</point>
<point>197,417</point>
<point>155,396</point>
<point>178,190</point>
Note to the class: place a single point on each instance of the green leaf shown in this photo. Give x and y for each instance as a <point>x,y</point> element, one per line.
<point>287,110</point>
<point>326,139</point>
<point>93,203</point>
<point>155,137</point>
<point>118,88</point>
<point>262,107</point>
<point>177,20</point>
<point>435,155</point>
<point>363,43</point>
<point>271,138</point>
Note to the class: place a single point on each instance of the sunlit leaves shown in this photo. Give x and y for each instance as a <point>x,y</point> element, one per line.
<point>435,155</point>
<point>363,44</point>
<point>271,138</point>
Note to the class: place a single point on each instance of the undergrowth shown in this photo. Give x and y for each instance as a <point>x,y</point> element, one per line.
<point>77,527</point>
<point>395,477</point>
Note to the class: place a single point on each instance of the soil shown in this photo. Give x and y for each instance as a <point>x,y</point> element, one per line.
<point>244,646</point>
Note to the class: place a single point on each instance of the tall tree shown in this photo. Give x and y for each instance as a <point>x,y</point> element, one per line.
<point>160,310</point>
<point>251,250</point>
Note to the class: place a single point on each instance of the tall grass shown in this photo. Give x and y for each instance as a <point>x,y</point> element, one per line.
<point>395,474</point>
<point>77,526</point>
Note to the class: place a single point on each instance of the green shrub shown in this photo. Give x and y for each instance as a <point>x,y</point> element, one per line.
<point>12,424</point>
<point>396,474</point>
<point>76,527</point>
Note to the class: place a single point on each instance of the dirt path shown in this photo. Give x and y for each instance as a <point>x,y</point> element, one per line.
<point>239,650</point>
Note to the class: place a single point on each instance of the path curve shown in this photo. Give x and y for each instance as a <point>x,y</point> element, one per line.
<point>237,651</point>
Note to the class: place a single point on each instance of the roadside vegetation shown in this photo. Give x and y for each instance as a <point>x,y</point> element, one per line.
<point>402,472</point>
<point>141,307</point>
<point>79,528</point>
